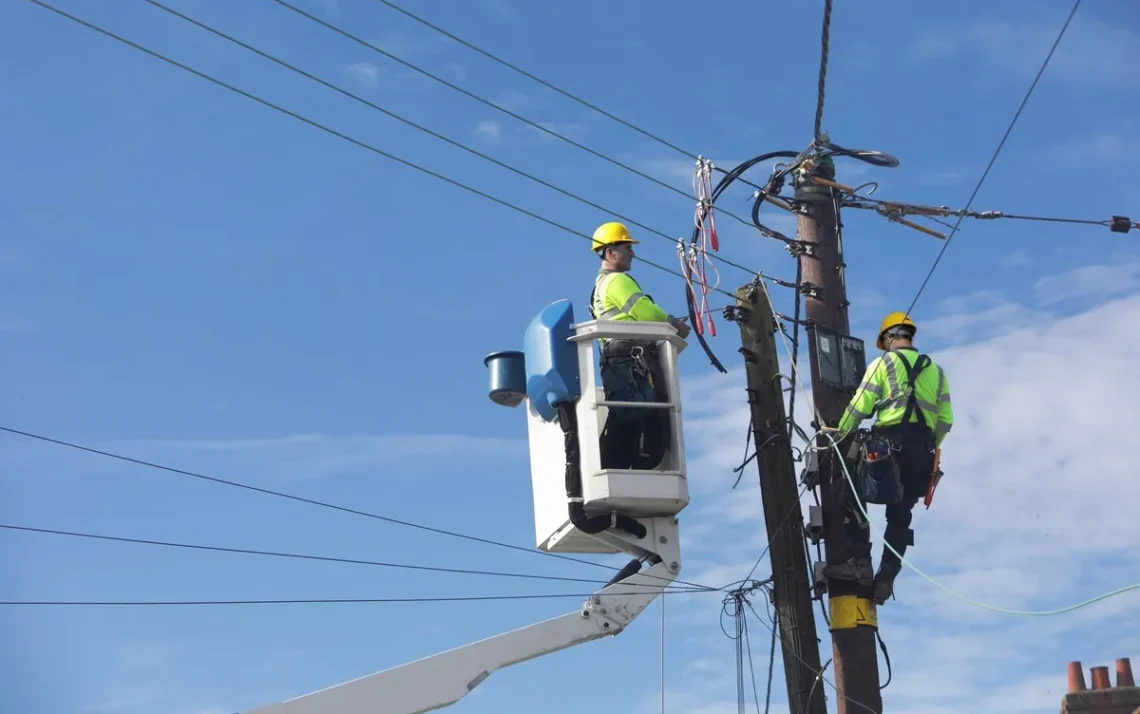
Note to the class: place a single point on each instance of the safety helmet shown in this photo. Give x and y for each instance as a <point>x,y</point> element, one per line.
<point>609,234</point>
<point>895,319</point>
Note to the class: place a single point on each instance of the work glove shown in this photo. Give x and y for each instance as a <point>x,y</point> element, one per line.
<point>680,326</point>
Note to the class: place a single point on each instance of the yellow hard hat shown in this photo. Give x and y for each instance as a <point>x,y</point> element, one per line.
<point>611,234</point>
<point>895,319</point>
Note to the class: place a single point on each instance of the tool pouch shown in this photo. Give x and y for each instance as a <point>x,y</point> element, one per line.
<point>880,479</point>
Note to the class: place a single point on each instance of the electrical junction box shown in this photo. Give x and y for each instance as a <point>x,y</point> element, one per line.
<point>841,359</point>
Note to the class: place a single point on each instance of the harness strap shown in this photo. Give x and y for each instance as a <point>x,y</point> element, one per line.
<point>912,372</point>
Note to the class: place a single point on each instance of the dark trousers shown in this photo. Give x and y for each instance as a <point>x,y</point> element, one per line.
<point>915,458</point>
<point>634,438</point>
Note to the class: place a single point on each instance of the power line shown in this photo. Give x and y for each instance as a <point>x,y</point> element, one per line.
<point>426,130</point>
<point>296,556</point>
<point>825,42</point>
<point>589,105</point>
<point>310,501</point>
<point>489,103</point>
<point>340,135</point>
<point>309,601</point>
<point>997,152</point>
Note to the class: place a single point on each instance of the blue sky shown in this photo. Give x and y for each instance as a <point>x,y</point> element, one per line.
<point>195,279</point>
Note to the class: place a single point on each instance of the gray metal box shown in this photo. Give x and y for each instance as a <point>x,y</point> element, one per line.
<point>841,359</point>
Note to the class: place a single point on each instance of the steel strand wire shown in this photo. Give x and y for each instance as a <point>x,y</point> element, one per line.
<point>319,503</point>
<point>307,601</point>
<point>343,136</point>
<point>536,125</point>
<point>553,87</point>
<point>419,127</point>
<point>310,557</point>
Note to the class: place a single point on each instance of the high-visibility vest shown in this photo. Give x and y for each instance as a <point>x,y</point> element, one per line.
<point>900,385</point>
<point>617,296</point>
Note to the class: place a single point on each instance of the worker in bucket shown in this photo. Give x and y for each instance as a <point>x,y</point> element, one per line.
<point>910,396</point>
<point>633,438</point>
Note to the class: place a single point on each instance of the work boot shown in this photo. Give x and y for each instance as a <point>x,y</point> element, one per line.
<point>885,580</point>
<point>857,569</point>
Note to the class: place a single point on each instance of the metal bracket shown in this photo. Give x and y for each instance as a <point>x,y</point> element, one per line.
<point>814,530</point>
<point>818,580</point>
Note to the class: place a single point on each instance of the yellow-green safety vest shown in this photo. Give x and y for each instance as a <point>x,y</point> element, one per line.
<point>885,391</point>
<point>617,296</point>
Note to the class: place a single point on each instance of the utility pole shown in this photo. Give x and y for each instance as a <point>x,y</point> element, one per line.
<point>778,488</point>
<point>837,364</point>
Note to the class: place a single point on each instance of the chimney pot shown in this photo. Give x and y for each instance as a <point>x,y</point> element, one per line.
<point>1124,673</point>
<point>1100,678</point>
<point>1076,677</point>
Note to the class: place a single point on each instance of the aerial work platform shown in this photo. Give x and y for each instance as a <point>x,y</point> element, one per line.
<point>579,507</point>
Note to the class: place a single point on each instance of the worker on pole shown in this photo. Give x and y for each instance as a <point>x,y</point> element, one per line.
<point>633,438</point>
<point>910,395</point>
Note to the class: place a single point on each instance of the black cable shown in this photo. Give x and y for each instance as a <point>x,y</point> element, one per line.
<point>310,501</point>
<point>338,134</point>
<point>751,666</point>
<point>299,556</point>
<point>722,184</point>
<point>815,672</point>
<point>312,601</point>
<point>550,86</point>
<point>772,664</point>
<point>420,127</point>
<point>887,657</point>
<point>823,56</point>
<point>997,152</point>
<point>496,107</point>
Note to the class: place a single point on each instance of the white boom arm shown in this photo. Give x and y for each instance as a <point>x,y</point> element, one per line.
<point>440,680</point>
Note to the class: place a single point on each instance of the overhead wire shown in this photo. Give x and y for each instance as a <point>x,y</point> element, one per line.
<point>314,502</point>
<point>336,133</point>
<point>589,105</point>
<point>825,42</point>
<point>420,127</point>
<point>301,556</point>
<point>305,601</point>
<point>997,152</point>
<point>536,125</point>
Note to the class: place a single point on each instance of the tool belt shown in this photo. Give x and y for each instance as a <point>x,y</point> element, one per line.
<point>879,476</point>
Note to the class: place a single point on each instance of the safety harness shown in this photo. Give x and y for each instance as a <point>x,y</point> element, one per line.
<point>880,478</point>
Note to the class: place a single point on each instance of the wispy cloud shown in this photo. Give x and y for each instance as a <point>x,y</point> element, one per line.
<point>1090,281</point>
<point>490,131</point>
<point>365,73</point>
<point>1091,53</point>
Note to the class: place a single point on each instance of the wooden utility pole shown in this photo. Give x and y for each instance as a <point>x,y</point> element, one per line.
<point>778,488</point>
<point>852,612</point>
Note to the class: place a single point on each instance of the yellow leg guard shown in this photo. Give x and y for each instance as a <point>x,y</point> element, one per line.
<point>851,611</point>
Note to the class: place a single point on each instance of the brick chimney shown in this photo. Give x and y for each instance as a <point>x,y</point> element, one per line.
<point>1101,697</point>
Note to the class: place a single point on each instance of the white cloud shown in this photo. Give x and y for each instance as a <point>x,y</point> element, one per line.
<point>1091,53</point>
<point>1090,281</point>
<point>1018,259</point>
<point>489,131</point>
<point>366,73</point>
<point>457,71</point>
